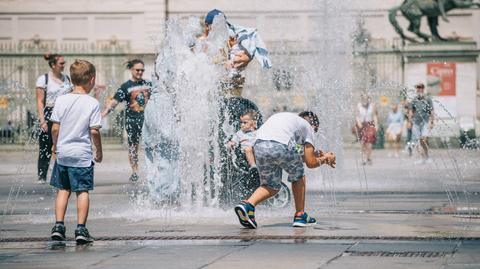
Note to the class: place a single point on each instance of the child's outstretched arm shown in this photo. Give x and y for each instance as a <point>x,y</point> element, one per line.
<point>234,141</point>
<point>329,158</point>
<point>231,144</point>
<point>97,142</point>
<point>314,159</point>
<point>309,156</point>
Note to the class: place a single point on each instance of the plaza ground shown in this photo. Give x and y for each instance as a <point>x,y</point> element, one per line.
<point>393,214</point>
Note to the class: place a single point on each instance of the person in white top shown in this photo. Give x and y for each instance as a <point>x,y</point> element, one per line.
<point>276,150</point>
<point>76,121</point>
<point>48,87</point>
<point>395,122</point>
<point>366,123</point>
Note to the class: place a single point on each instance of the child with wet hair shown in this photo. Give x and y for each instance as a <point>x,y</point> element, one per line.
<point>276,151</point>
<point>246,137</point>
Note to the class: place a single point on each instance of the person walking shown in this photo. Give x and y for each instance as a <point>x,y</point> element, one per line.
<point>49,86</point>
<point>408,127</point>
<point>135,92</point>
<point>366,121</point>
<point>421,115</point>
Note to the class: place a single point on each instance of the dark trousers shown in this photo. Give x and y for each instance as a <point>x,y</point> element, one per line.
<point>45,151</point>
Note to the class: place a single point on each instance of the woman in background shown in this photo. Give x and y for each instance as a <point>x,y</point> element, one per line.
<point>48,87</point>
<point>135,92</point>
<point>395,127</point>
<point>366,121</point>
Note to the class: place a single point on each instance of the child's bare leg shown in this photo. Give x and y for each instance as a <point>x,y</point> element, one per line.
<point>364,153</point>
<point>83,203</point>
<point>424,145</point>
<point>250,156</point>
<point>61,203</point>
<point>298,190</point>
<point>133,157</point>
<point>261,194</point>
<point>397,144</point>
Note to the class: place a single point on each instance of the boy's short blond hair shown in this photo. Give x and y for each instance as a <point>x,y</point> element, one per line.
<point>82,72</point>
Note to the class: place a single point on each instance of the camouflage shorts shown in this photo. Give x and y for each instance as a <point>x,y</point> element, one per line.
<point>272,157</point>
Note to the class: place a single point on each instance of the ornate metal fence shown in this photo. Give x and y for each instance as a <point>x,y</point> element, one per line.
<point>21,63</point>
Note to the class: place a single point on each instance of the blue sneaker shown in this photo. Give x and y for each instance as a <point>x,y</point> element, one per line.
<point>58,232</point>
<point>246,215</point>
<point>303,220</point>
<point>82,236</point>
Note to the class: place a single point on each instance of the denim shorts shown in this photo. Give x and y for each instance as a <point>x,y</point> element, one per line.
<point>420,130</point>
<point>272,157</point>
<point>75,179</point>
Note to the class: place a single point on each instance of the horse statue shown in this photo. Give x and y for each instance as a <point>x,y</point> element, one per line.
<point>414,10</point>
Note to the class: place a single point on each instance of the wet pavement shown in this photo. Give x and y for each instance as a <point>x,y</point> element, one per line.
<point>393,214</point>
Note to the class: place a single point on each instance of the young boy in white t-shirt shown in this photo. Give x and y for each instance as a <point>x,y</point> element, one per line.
<point>76,122</point>
<point>276,150</point>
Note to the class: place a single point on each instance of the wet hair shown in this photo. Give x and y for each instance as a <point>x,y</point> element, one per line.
<point>311,117</point>
<point>250,112</point>
<point>81,72</point>
<point>133,62</point>
<point>51,58</point>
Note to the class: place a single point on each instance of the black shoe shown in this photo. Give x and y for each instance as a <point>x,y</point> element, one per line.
<point>82,236</point>
<point>58,232</point>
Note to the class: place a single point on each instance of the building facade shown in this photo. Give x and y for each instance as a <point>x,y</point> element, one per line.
<point>110,32</point>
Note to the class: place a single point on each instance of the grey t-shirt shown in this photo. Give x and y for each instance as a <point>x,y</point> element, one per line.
<point>422,108</point>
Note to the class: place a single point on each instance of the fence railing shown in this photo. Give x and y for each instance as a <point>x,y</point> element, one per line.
<point>21,63</point>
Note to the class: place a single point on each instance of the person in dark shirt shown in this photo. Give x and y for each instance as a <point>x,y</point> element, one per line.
<point>135,92</point>
<point>421,115</point>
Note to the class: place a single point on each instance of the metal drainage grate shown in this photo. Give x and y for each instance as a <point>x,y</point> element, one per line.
<point>250,237</point>
<point>399,254</point>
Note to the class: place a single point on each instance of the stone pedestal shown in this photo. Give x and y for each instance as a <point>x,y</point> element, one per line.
<point>457,110</point>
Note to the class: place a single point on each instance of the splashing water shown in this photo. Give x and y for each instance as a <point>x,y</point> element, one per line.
<point>181,120</point>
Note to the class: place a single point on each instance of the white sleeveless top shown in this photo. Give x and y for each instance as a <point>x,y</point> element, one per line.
<point>53,89</point>
<point>364,114</point>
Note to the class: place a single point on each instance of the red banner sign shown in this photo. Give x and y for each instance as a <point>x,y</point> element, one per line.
<point>441,79</point>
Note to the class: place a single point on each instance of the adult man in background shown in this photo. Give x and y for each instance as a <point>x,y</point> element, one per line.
<point>421,116</point>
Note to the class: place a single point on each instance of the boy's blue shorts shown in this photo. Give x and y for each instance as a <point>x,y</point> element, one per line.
<point>75,179</point>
